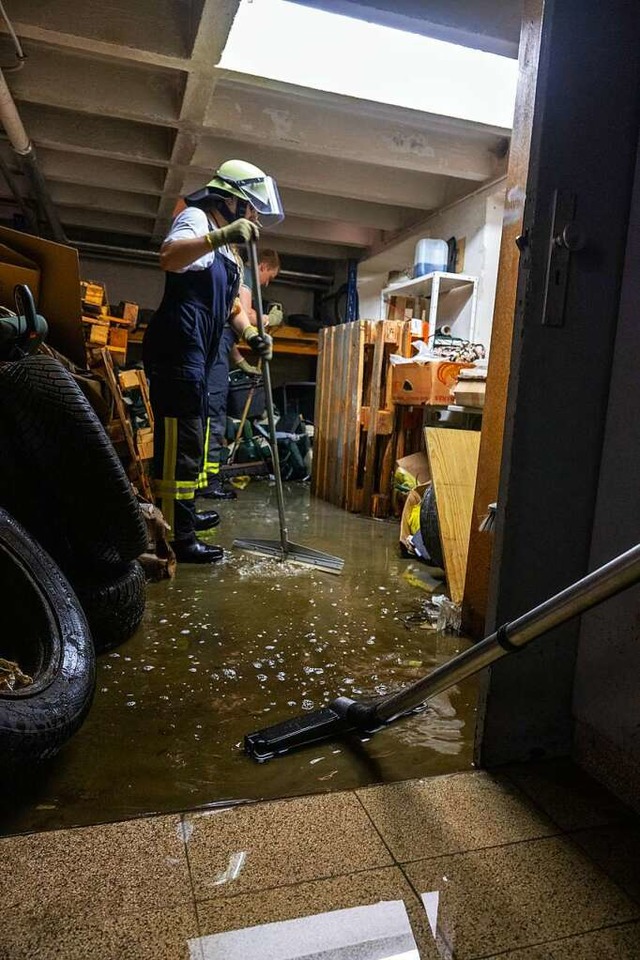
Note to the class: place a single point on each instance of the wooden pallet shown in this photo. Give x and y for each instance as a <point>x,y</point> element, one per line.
<point>357,426</point>
<point>137,471</point>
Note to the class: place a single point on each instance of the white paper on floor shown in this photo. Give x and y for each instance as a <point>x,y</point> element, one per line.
<point>379,931</point>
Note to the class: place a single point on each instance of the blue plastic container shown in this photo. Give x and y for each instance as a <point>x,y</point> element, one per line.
<point>430,255</point>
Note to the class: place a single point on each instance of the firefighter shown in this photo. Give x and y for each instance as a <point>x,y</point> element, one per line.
<point>181,343</point>
<point>269,267</point>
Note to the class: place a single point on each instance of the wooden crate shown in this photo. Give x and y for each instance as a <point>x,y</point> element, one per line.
<point>357,427</point>
<point>98,333</point>
<point>93,293</point>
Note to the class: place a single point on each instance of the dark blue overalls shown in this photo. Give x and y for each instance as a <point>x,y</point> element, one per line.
<point>218,385</point>
<point>179,348</point>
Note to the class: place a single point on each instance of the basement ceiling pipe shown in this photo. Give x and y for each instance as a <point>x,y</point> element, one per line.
<point>22,145</point>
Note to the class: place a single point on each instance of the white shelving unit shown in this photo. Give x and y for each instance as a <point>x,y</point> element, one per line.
<point>453,300</point>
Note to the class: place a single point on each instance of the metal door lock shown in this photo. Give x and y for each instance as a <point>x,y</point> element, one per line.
<point>565,238</point>
<point>572,238</point>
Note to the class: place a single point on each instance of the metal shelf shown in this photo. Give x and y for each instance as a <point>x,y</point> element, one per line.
<point>422,286</point>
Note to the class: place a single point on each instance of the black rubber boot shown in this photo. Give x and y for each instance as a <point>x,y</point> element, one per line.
<point>206,520</point>
<point>217,491</point>
<point>195,551</point>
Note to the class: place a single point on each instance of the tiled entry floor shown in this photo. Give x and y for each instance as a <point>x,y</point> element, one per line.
<point>534,863</point>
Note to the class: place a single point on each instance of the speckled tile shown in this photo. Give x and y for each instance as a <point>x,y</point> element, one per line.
<point>568,795</point>
<point>33,934</point>
<point>617,850</point>
<point>132,866</point>
<point>290,841</point>
<point>509,897</point>
<point>319,896</point>
<point>612,943</point>
<point>429,818</point>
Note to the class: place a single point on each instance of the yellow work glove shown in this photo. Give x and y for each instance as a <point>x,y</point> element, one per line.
<point>262,345</point>
<point>248,368</point>
<point>275,316</point>
<point>240,231</point>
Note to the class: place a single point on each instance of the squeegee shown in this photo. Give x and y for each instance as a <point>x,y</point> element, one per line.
<point>282,549</point>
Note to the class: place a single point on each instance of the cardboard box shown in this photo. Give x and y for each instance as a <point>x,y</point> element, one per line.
<point>414,384</point>
<point>414,469</point>
<point>15,268</point>
<point>59,292</point>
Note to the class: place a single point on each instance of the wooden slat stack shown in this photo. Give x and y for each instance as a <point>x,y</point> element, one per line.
<point>357,427</point>
<point>102,328</point>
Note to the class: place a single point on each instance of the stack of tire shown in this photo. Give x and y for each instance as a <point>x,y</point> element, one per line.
<point>61,479</point>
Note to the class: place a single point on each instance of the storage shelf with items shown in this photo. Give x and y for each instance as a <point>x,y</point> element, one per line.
<point>445,303</point>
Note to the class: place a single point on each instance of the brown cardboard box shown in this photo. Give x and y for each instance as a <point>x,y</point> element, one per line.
<point>15,268</point>
<point>416,465</point>
<point>414,384</point>
<point>59,293</point>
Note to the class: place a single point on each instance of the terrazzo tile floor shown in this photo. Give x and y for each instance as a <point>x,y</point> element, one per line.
<point>530,863</point>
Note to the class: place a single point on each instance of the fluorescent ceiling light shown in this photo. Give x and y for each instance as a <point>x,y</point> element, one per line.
<point>311,48</point>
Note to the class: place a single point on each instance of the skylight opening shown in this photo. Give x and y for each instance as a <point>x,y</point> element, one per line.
<point>290,43</point>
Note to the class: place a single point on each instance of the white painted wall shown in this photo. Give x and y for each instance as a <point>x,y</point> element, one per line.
<point>477,218</point>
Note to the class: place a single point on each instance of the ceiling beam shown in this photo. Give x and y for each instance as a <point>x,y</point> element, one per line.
<point>211,37</point>
<point>343,132</point>
<point>347,178</point>
<point>97,135</point>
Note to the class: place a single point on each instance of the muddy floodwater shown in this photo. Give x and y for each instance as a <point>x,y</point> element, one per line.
<point>227,649</point>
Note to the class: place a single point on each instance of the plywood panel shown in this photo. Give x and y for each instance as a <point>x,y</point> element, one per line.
<point>453,459</point>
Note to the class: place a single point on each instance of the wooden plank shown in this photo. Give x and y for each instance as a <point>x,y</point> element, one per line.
<point>493,421</point>
<point>356,345</point>
<point>141,477</point>
<point>318,437</point>
<point>383,424</point>
<point>374,403</point>
<point>453,460</point>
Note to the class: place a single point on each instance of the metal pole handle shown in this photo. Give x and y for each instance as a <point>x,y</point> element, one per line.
<point>266,372</point>
<point>605,582</point>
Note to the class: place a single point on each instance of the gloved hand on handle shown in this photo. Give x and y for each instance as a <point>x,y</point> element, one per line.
<point>248,368</point>
<point>262,345</point>
<point>240,231</point>
<point>275,316</point>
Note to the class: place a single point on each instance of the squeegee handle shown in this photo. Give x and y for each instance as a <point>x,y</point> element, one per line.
<point>266,373</point>
<point>605,582</point>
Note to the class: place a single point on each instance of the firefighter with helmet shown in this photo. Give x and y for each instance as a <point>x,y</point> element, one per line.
<point>202,277</point>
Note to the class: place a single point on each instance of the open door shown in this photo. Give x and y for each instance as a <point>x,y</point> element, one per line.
<point>551,387</point>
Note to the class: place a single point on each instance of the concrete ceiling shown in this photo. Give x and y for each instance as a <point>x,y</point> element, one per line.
<point>128,112</point>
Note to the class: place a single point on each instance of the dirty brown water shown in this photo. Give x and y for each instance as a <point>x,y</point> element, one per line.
<point>231,648</point>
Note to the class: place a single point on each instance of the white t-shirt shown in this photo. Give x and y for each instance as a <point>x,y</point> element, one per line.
<point>193,222</point>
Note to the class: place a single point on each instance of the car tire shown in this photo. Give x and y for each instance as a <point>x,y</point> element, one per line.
<point>46,632</point>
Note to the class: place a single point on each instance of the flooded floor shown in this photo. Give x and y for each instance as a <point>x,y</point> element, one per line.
<point>228,649</point>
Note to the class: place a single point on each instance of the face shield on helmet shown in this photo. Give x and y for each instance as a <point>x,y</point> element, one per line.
<point>262,194</point>
<point>255,193</point>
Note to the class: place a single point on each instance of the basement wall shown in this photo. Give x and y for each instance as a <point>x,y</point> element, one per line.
<point>477,218</point>
<point>606,700</point>
<point>142,285</point>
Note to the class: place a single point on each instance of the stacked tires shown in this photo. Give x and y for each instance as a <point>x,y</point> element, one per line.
<point>61,479</point>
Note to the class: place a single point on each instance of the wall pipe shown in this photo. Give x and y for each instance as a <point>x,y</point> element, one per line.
<point>23,147</point>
